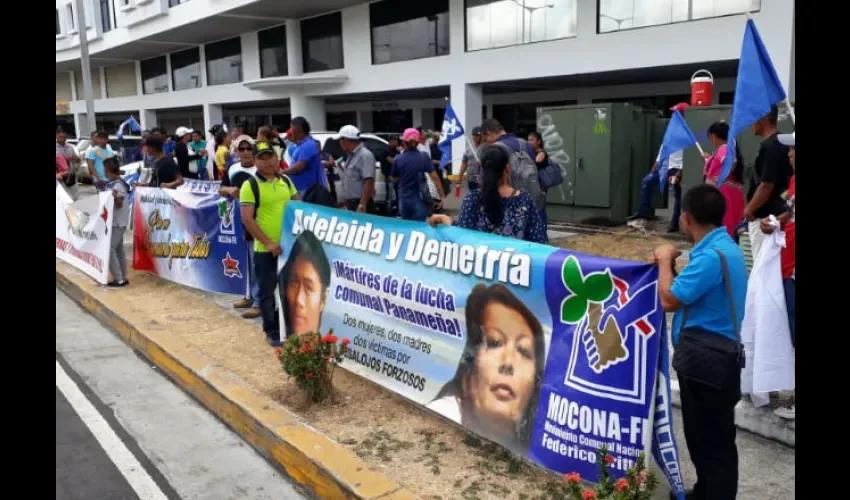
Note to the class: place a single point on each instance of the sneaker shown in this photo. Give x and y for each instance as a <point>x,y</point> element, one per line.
<point>115,284</point>
<point>252,313</point>
<point>272,342</point>
<point>243,303</point>
<point>788,413</point>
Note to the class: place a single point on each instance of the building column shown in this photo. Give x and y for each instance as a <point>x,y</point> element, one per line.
<point>250,56</point>
<point>203,62</point>
<point>147,119</point>
<point>213,114</point>
<point>73,81</point>
<point>311,108</point>
<point>457,26</point>
<point>364,121</point>
<point>140,88</point>
<point>428,119</point>
<point>80,121</point>
<point>102,76</point>
<point>466,101</point>
<point>294,61</point>
<point>416,117</point>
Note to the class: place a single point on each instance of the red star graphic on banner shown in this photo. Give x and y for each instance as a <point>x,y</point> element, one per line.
<point>231,266</point>
<point>105,214</point>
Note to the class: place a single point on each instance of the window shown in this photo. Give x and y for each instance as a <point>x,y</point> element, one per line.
<point>154,75</point>
<point>502,23</point>
<point>105,17</point>
<point>402,31</point>
<point>224,61</point>
<point>321,43</point>
<point>71,20</point>
<point>58,27</point>
<point>618,15</point>
<point>273,61</point>
<point>173,3</point>
<point>186,69</point>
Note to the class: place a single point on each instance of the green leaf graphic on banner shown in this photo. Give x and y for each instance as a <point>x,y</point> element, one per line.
<point>572,275</point>
<point>573,309</point>
<point>598,287</point>
<point>222,208</point>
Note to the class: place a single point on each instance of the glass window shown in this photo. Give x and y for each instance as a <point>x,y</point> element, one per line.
<point>321,43</point>
<point>154,75</point>
<point>186,69</point>
<point>224,61</point>
<point>58,28</point>
<point>402,31</point>
<point>71,20</point>
<point>502,23</point>
<point>273,61</point>
<point>618,15</point>
<point>105,17</point>
<point>173,3</point>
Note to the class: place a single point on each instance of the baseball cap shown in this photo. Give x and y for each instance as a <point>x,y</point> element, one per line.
<point>680,107</point>
<point>181,131</point>
<point>243,138</point>
<point>348,132</point>
<point>410,134</point>
<point>263,147</point>
<point>787,139</point>
<point>476,131</point>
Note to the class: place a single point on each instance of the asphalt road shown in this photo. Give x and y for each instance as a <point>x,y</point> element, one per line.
<point>124,431</point>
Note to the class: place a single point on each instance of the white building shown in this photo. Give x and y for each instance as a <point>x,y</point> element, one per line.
<point>389,64</point>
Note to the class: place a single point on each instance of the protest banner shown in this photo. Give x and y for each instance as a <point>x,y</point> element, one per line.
<point>548,352</point>
<point>199,187</point>
<point>83,232</point>
<point>191,239</point>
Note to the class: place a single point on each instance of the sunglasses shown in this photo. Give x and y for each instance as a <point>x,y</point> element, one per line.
<point>245,149</point>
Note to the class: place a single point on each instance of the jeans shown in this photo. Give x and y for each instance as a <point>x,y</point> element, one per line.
<point>544,217</point>
<point>708,417</point>
<point>413,209</point>
<point>650,183</point>
<point>790,287</point>
<point>117,259</point>
<point>265,268</point>
<point>253,284</point>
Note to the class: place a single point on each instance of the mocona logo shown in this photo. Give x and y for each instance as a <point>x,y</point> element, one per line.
<point>231,267</point>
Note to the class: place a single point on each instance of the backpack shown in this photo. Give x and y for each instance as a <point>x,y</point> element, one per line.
<point>318,194</point>
<point>524,172</point>
<point>255,188</point>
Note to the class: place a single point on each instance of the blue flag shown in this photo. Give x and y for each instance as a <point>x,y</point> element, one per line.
<point>677,137</point>
<point>757,89</point>
<point>132,123</point>
<point>452,129</point>
<point>131,180</point>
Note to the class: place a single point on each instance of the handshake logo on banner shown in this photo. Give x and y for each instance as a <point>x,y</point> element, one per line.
<point>609,349</point>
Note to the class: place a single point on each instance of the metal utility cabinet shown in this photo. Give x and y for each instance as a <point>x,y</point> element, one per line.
<point>603,149</point>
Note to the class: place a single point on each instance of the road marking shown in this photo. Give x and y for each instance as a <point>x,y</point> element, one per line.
<point>130,468</point>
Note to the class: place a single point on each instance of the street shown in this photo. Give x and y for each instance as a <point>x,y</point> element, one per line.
<point>124,431</point>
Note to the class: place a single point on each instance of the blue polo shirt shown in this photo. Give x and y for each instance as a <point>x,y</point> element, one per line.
<point>409,167</point>
<point>308,151</point>
<point>700,286</point>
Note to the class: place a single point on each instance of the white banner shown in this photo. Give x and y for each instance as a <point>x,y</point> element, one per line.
<point>83,232</point>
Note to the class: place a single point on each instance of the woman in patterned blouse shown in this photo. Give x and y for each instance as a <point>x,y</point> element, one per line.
<point>498,207</point>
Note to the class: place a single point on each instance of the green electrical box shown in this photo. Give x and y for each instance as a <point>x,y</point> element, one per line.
<point>602,148</point>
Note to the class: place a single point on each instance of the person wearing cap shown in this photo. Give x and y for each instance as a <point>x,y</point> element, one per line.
<point>469,164</point>
<point>186,158</point>
<point>305,166</point>
<point>771,173</point>
<point>358,178</point>
<point>232,180</point>
<point>409,170</point>
<point>788,257</point>
<point>262,216</point>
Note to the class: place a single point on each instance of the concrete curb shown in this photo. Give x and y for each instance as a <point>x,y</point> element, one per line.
<point>325,468</point>
<point>759,421</point>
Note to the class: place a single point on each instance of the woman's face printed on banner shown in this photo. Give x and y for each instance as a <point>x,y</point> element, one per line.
<point>502,380</point>
<point>305,296</point>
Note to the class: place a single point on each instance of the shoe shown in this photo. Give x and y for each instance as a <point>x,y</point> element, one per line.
<point>243,304</point>
<point>115,284</point>
<point>788,413</point>
<point>272,342</point>
<point>252,313</point>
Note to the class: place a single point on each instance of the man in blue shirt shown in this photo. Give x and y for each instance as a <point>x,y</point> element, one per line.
<point>305,169</point>
<point>708,412</point>
<point>95,156</point>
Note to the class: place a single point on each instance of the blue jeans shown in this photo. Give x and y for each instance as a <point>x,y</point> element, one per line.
<point>650,183</point>
<point>790,287</point>
<point>265,268</point>
<point>253,284</point>
<point>413,209</point>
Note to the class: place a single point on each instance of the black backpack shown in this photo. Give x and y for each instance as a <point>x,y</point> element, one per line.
<point>318,194</point>
<point>255,188</point>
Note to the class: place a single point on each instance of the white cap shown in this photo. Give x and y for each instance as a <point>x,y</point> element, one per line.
<point>181,131</point>
<point>787,139</point>
<point>348,132</point>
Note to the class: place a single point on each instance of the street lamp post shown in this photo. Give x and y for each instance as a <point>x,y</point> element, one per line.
<point>82,33</point>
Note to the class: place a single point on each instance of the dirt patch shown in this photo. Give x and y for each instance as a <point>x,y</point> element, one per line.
<point>418,449</point>
<point>622,245</point>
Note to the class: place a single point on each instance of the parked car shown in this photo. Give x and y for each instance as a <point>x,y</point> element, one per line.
<point>383,200</point>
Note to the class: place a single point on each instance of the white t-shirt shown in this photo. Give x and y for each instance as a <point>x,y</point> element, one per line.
<point>675,160</point>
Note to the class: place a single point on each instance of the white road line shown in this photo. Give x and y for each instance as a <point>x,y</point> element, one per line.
<point>133,472</point>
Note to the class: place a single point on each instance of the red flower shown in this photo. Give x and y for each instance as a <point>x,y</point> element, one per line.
<point>609,460</point>
<point>642,476</point>
<point>329,339</point>
<point>572,478</point>
<point>588,495</point>
<point>345,341</point>
<point>621,484</point>
<point>278,352</point>
<point>309,374</point>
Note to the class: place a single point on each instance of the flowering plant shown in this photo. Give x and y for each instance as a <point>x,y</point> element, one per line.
<point>310,359</point>
<point>637,484</point>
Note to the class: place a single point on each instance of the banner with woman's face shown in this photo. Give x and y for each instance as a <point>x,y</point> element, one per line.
<point>550,353</point>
